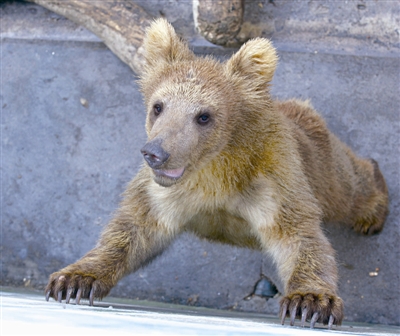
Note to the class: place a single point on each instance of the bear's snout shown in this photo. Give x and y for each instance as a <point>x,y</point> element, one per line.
<point>154,154</point>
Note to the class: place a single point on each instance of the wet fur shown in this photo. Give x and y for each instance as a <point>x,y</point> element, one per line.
<point>264,175</point>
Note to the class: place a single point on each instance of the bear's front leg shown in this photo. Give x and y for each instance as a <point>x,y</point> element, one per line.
<point>121,250</point>
<point>131,240</point>
<point>307,266</point>
<point>95,274</point>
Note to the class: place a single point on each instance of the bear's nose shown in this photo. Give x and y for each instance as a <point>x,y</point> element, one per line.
<point>154,154</point>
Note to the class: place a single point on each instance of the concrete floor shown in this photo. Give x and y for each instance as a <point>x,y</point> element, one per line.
<point>27,313</point>
<point>65,164</point>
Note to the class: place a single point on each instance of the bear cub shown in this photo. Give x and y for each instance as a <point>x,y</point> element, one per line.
<point>230,164</point>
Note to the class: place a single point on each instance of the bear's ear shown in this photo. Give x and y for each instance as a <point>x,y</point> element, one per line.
<point>256,61</point>
<point>162,45</point>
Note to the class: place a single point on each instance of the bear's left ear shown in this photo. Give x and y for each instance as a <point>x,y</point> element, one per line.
<point>162,45</point>
<point>256,61</point>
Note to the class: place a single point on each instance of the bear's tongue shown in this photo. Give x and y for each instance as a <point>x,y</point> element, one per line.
<point>172,173</point>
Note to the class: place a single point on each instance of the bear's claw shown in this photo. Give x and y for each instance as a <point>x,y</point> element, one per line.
<point>76,286</point>
<point>327,309</point>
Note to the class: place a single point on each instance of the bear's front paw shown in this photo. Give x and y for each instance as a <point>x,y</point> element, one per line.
<point>69,284</point>
<point>324,308</point>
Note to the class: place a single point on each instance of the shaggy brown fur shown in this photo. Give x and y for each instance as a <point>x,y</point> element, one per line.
<point>230,164</point>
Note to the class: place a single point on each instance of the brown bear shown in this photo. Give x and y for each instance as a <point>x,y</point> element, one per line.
<point>230,164</point>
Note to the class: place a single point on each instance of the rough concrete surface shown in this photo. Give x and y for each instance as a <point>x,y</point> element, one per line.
<point>72,123</point>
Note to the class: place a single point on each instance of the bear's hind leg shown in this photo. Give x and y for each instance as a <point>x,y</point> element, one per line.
<point>373,210</point>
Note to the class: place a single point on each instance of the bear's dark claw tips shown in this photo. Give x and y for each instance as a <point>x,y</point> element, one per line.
<point>91,296</point>
<point>293,312</point>
<point>59,296</point>
<point>48,295</point>
<point>283,312</point>
<point>303,316</point>
<point>78,296</point>
<point>314,320</point>
<point>69,293</point>
<point>330,323</point>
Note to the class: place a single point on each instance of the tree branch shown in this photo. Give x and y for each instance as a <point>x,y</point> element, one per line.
<point>120,24</point>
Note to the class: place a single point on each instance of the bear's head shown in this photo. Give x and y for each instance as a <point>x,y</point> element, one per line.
<point>197,106</point>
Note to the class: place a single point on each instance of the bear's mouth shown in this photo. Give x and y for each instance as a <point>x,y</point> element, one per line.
<point>170,173</point>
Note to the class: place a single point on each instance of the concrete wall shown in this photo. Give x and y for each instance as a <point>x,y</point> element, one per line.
<point>64,163</point>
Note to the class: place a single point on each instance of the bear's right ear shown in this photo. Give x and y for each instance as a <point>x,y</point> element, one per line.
<point>255,62</point>
<point>162,45</point>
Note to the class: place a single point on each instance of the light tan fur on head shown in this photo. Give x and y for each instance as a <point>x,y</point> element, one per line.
<point>162,45</point>
<point>255,61</point>
<point>187,86</point>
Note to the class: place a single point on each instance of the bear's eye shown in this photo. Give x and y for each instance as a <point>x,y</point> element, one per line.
<point>157,108</point>
<point>203,119</point>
